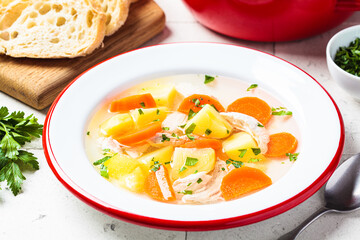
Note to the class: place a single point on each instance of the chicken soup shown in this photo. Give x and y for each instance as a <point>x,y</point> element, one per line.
<point>193,139</point>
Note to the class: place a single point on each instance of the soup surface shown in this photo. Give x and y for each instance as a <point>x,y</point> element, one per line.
<point>193,139</point>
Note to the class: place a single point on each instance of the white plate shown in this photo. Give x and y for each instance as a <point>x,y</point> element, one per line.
<point>319,120</point>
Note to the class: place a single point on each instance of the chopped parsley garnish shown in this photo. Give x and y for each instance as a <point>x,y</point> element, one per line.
<point>104,171</point>
<point>260,125</point>
<point>164,138</point>
<point>252,86</point>
<point>88,133</point>
<point>292,156</point>
<point>191,114</point>
<point>192,138</point>
<point>106,150</point>
<point>190,129</point>
<point>348,58</point>
<point>182,169</point>
<point>157,112</point>
<point>191,161</point>
<point>182,126</point>
<point>236,164</point>
<point>186,192</point>
<point>174,135</point>
<point>189,184</point>
<point>196,101</point>
<point>155,166</point>
<point>254,160</point>
<point>280,111</point>
<point>196,171</point>
<point>208,132</point>
<point>142,104</point>
<point>166,163</point>
<point>242,152</point>
<point>166,128</point>
<point>199,180</point>
<point>156,120</point>
<point>102,160</point>
<point>227,131</point>
<point>256,151</point>
<point>223,169</point>
<point>209,79</point>
<point>141,111</point>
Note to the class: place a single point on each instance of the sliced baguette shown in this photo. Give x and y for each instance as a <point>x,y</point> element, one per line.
<point>50,28</point>
<point>116,12</point>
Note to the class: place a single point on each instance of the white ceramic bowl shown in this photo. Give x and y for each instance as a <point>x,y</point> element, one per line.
<point>319,120</point>
<point>347,81</point>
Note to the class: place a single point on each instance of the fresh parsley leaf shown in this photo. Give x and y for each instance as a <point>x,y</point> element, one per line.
<point>236,164</point>
<point>12,174</point>
<point>166,163</point>
<point>189,184</point>
<point>348,58</point>
<point>157,111</point>
<point>252,86</point>
<point>280,111</point>
<point>292,156</point>
<point>156,120</point>
<point>223,169</point>
<point>88,133</point>
<point>260,125</point>
<point>192,138</point>
<point>28,159</point>
<point>182,126</point>
<point>199,180</point>
<point>182,169</point>
<point>191,161</point>
<point>8,145</point>
<point>191,114</point>
<point>196,101</point>
<point>142,104</point>
<point>164,138</point>
<point>208,132</point>
<point>190,129</point>
<point>102,160</point>
<point>256,151</point>
<point>141,111</point>
<point>156,165</point>
<point>254,160</point>
<point>104,171</point>
<point>166,128</point>
<point>227,131</point>
<point>106,150</point>
<point>196,171</point>
<point>242,152</point>
<point>186,192</point>
<point>209,79</point>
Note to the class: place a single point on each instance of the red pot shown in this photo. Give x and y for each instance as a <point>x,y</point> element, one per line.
<point>271,20</point>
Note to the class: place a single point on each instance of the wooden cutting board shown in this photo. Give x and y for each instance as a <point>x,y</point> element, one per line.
<point>37,82</point>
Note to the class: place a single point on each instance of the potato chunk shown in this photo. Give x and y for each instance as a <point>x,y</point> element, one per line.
<point>162,155</point>
<point>117,125</point>
<point>187,161</point>
<point>133,181</point>
<point>208,122</point>
<point>120,165</point>
<point>164,95</point>
<point>242,147</point>
<point>145,116</point>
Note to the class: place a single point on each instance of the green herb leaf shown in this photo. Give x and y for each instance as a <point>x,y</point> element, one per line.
<point>260,125</point>
<point>242,152</point>
<point>182,126</point>
<point>252,86</point>
<point>155,166</point>
<point>104,171</point>
<point>280,111</point>
<point>182,169</point>
<point>208,132</point>
<point>209,79</point>
<point>254,160</point>
<point>101,161</point>
<point>196,171</point>
<point>189,184</point>
<point>88,133</point>
<point>199,180</point>
<point>28,159</point>
<point>164,138</point>
<point>166,128</point>
<point>186,192</point>
<point>348,58</point>
<point>190,129</point>
<point>142,104</point>
<point>292,156</point>
<point>236,164</point>
<point>191,161</point>
<point>192,138</point>
<point>256,151</point>
<point>141,111</point>
<point>12,174</point>
<point>223,169</point>
<point>191,114</point>
<point>157,111</point>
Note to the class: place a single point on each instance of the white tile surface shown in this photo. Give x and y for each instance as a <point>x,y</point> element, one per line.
<point>46,210</point>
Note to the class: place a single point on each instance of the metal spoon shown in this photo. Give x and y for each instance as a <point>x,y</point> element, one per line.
<point>342,194</point>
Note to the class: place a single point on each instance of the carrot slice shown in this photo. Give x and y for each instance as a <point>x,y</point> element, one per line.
<point>132,102</point>
<point>139,135</point>
<point>203,143</point>
<point>243,180</point>
<point>154,190</point>
<point>195,102</point>
<point>252,106</point>
<point>280,144</point>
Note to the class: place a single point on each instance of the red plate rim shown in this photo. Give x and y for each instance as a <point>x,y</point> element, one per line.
<point>189,225</point>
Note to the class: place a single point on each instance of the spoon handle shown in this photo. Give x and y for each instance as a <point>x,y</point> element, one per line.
<point>294,233</point>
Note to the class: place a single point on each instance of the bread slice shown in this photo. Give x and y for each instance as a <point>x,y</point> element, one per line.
<point>50,28</point>
<point>116,12</point>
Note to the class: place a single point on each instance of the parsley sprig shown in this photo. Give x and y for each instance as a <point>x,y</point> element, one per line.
<point>15,131</point>
<point>236,164</point>
<point>280,111</point>
<point>348,58</point>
